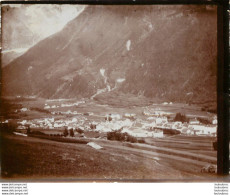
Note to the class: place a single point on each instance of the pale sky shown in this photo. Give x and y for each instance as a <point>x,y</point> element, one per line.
<point>40,21</point>
<point>45,20</point>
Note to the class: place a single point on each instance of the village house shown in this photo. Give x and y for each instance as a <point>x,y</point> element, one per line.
<point>204,129</point>
<point>194,121</point>
<point>24,110</point>
<point>47,107</point>
<point>214,120</point>
<point>161,120</point>
<point>130,116</point>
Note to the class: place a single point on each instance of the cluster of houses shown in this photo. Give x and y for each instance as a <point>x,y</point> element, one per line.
<point>69,112</point>
<point>22,110</point>
<point>51,123</point>
<point>151,124</point>
<point>64,105</point>
<point>193,127</point>
<point>155,126</point>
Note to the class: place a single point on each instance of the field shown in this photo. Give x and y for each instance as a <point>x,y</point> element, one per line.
<point>28,157</point>
<point>94,110</point>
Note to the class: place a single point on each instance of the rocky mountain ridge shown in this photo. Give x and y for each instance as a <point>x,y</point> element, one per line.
<point>164,52</point>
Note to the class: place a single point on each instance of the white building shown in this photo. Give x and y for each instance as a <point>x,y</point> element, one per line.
<point>194,121</point>
<point>161,120</point>
<point>24,110</point>
<point>214,121</point>
<point>204,130</point>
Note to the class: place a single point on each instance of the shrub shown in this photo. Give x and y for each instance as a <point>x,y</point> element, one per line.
<point>86,114</point>
<point>117,135</point>
<point>142,141</point>
<point>92,126</point>
<point>203,109</point>
<point>204,121</point>
<point>37,133</point>
<point>131,139</point>
<point>8,127</point>
<point>79,130</point>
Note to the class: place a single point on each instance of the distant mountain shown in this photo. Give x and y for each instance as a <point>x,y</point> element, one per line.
<point>164,52</point>
<point>25,25</point>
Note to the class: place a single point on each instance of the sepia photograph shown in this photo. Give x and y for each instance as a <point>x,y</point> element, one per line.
<point>108,92</point>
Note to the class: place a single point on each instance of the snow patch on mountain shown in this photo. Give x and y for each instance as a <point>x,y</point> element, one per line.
<point>128,44</point>
<point>120,80</point>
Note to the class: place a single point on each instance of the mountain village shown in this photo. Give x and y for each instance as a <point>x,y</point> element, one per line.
<point>152,123</point>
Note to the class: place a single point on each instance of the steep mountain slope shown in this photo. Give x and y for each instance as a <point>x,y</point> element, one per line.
<point>165,52</point>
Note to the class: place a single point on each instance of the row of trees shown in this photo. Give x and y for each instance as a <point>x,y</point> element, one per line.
<point>70,132</point>
<point>183,118</point>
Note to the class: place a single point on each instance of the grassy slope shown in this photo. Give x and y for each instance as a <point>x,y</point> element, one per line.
<point>35,158</point>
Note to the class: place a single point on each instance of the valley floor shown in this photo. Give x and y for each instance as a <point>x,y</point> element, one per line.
<point>91,156</point>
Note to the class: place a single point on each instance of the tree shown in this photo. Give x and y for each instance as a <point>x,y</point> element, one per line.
<point>93,126</point>
<point>65,132</point>
<point>181,117</point>
<point>28,130</point>
<point>71,133</point>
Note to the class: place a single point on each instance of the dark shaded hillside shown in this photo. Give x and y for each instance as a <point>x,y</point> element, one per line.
<point>163,52</point>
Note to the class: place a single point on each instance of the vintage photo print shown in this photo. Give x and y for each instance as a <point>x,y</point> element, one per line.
<point>109,92</point>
